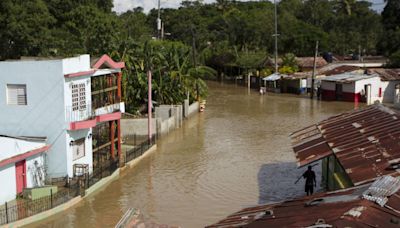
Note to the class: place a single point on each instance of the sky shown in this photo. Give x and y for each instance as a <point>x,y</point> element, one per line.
<point>124,5</point>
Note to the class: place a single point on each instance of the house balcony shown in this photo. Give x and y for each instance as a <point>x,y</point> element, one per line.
<point>88,116</point>
<point>82,117</point>
<point>106,108</point>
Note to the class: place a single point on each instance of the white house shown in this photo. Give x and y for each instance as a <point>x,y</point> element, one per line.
<point>74,102</point>
<point>390,81</point>
<point>22,165</point>
<point>352,87</point>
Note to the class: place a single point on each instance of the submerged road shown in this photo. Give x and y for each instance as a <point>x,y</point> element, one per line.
<point>235,154</point>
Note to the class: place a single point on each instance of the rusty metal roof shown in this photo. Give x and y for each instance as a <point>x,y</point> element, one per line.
<point>345,208</point>
<point>348,77</point>
<point>308,62</point>
<point>386,74</point>
<point>340,70</point>
<point>366,142</point>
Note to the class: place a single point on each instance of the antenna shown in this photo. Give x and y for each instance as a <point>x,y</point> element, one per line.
<point>159,20</point>
<point>276,37</point>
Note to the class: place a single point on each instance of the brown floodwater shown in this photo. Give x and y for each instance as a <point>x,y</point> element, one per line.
<point>235,154</point>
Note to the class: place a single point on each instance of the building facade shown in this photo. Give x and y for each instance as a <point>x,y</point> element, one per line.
<point>352,87</point>
<point>22,165</point>
<point>74,102</point>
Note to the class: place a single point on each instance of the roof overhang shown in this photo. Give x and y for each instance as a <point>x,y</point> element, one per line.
<point>105,62</point>
<point>23,156</point>
<point>309,146</point>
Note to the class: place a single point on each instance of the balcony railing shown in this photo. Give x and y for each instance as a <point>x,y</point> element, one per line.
<point>83,113</point>
<point>117,107</point>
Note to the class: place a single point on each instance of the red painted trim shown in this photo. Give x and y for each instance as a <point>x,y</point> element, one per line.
<point>119,138</point>
<point>119,79</point>
<point>112,132</point>
<point>328,95</point>
<point>82,124</point>
<point>23,156</point>
<point>80,74</point>
<point>109,117</point>
<point>105,59</point>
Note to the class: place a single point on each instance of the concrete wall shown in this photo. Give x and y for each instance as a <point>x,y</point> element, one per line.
<point>388,89</point>
<point>327,85</point>
<point>88,158</point>
<point>194,108</point>
<point>9,185</point>
<point>168,118</point>
<point>44,114</point>
<point>130,127</point>
<point>35,170</point>
<point>375,85</point>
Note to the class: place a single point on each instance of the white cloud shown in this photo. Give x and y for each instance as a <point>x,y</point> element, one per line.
<point>147,5</point>
<point>124,5</point>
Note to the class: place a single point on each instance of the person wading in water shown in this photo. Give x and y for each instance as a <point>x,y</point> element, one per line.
<point>309,175</point>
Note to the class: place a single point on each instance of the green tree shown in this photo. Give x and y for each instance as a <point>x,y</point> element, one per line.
<point>24,28</point>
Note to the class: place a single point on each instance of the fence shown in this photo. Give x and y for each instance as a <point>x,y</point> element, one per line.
<point>139,149</point>
<point>69,188</point>
<point>24,208</point>
<point>100,172</point>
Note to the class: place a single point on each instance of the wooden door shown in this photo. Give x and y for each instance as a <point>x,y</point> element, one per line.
<point>20,174</point>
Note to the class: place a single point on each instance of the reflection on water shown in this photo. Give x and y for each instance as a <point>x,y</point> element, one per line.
<point>235,154</point>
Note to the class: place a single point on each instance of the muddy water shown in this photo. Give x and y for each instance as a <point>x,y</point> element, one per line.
<point>235,154</point>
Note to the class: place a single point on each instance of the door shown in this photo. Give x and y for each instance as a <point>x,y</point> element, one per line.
<point>339,92</point>
<point>20,174</point>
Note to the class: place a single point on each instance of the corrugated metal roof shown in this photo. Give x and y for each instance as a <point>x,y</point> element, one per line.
<point>380,191</point>
<point>366,142</point>
<point>386,74</point>
<point>348,77</point>
<point>340,70</point>
<point>274,77</point>
<point>343,208</point>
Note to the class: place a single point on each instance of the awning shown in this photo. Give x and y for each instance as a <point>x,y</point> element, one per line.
<point>309,146</point>
<point>273,77</point>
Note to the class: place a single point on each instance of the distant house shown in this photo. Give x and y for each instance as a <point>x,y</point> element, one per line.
<point>390,80</point>
<point>352,87</point>
<point>272,82</point>
<point>329,70</point>
<point>74,102</point>
<point>307,63</point>
<point>356,147</point>
<point>22,165</point>
<point>295,83</point>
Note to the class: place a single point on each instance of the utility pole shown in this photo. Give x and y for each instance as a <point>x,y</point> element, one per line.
<point>159,20</point>
<point>149,105</point>
<point>314,70</point>
<point>276,38</point>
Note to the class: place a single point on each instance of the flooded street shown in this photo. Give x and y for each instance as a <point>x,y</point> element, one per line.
<point>235,154</point>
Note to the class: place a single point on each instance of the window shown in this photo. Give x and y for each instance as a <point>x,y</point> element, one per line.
<point>78,149</point>
<point>78,97</point>
<point>16,94</point>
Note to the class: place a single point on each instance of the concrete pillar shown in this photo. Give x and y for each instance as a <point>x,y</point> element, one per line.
<point>396,100</point>
<point>186,108</point>
<point>368,93</point>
